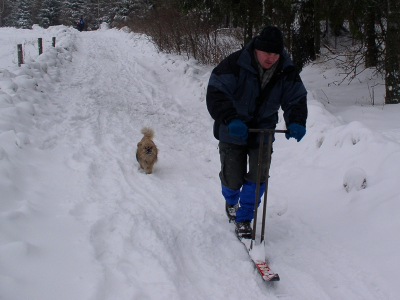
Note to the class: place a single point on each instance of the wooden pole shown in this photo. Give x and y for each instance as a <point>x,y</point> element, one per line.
<point>54,41</point>
<point>40,45</point>
<point>20,55</point>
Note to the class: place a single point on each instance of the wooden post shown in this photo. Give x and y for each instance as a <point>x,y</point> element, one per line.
<point>20,55</point>
<point>40,45</point>
<point>54,41</point>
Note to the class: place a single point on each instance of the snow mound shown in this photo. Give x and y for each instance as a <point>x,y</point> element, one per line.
<point>355,178</point>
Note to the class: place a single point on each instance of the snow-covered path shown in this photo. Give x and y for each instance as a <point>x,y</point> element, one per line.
<point>158,236</point>
<point>98,228</point>
<point>169,225</point>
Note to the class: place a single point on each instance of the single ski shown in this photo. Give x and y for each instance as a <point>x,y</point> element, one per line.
<point>257,254</point>
<point>265,271</point>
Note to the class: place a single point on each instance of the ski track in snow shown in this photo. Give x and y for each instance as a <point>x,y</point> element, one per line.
<point>165,235</point>
<point>137,219</point>
<point>153,223</point>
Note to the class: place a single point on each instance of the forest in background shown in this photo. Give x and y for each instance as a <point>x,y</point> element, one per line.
<point>358,34</point>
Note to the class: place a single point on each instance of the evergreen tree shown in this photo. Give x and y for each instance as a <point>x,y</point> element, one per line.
<point>49,13</point>
<point>123,10</point>
<point>282,13</point>
<point>106,11</point>
<point>23,17</point>
<point>72,11</point>
<point>93,13</point>
<point>2,11</point>
<point>35,9</point>
<point>303,42</point>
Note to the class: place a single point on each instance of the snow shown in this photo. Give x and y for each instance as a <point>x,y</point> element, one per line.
<point>355,178</point>
<point>80,220</point>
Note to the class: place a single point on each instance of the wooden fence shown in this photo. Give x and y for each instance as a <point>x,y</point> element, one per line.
<point>40,47</point>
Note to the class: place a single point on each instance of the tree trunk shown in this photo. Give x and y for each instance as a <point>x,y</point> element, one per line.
<point>371,55</point>
<point>248,28</point>
<point>252,17</point>
<point>317,27</point>
<point>392,65</point>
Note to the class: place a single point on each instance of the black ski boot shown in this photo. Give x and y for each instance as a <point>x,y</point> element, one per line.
<point>243,230</point>
<point>231,211</point>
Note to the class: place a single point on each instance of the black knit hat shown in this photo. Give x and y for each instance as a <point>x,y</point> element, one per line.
<point>270,40</point>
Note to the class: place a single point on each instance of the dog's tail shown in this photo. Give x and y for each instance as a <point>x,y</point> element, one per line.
<point>148,132</point>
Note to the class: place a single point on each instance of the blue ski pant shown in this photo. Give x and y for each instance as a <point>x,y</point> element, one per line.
<point>239,176</point>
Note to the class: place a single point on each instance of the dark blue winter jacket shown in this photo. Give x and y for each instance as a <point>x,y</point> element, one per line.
<point>234,91</point>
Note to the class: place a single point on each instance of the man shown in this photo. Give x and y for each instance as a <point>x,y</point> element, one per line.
<point>245,91</point>
<point>81,24</point>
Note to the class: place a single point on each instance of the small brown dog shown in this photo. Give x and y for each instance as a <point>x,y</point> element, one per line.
<point>146,153</point>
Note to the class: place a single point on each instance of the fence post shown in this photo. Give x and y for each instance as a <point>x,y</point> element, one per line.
<point>54,41</point>
<point>20,55</point>
<point>40,45</point>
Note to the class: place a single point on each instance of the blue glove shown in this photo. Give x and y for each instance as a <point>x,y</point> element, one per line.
<point>237,128</point>
<point>295,131</point>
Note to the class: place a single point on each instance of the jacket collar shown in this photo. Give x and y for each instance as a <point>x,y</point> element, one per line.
<point>246,59</point>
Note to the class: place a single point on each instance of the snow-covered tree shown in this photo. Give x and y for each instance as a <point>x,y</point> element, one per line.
<point>49,13</point>
<point>72,11</point>
<point>98,11</point>
<point>123,10</point>
<point>2,8</point>
<point>35,9</point>
<point>23,18</point>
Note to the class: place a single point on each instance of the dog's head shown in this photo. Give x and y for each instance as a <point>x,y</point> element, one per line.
<point>147,147</point>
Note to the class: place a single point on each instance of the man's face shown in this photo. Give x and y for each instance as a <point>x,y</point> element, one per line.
<point>266,59</point>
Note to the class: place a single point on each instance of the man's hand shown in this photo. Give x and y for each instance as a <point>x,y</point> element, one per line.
<point>295,131</point>
<point>237,128</point>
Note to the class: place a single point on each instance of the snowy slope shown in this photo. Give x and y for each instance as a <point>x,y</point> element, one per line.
<point>79,220</point>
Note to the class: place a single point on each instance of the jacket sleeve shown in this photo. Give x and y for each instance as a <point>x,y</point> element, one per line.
<point>294,100</point>
<point>220,90</point>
